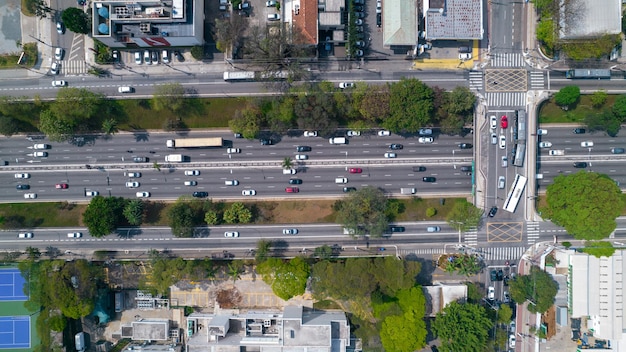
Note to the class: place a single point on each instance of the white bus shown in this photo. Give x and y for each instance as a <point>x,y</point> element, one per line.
<point>517,188</point>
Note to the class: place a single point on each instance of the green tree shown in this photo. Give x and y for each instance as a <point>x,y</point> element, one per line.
<point>8,126</point>
<point>247,122</point>
<point>462,327</point>
<point>238,213</point>
<point>169,96</point>
<point>464,215</point>
<point>410,105</point>
<point>586,204</point>
<point>603,121</point>
<point>235,269</point>
<point>406,332</point>
<point>374,104</point>
<point>460,101</point>
<point>474,293</point>
<point>287,163</point>
<point>133,211</point>
<point>598,98</point>
<point>364,211</point>
<point>287,278</point>
<point>56,128</point>
<point>619,108</point>
<point>567,96</point>
<point>315,110</point>
<point>211,217</point>
<point>504,314</point>
<point>109,126</point>
<point>323,252</point>
<point>76,20</point>
<point>394,275</point>
<point>546,32</point>
<point>57,323</point>
<point>37,8</point>
<point>538,288</point>
<point>262,250</point>
<point>103,215</point>
<point>181,219</point>
<point>599,249</point>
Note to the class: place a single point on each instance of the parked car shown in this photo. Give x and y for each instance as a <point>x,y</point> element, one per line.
<point>352,133</point>
<point>146,57</point>
<point>60,27</point>
<point>273,17</point>
<point>270,3</point>
<point>154,55</point>
<point>384,133</point>
<point>310,133</point>
<point>165,56</point>
<point>379,20</point>
<point>179,56</point>
<point>425,131</point>
<point>138,60</point>
<point>55,68</point>
<point>465,56</point>
<point>58,53</point>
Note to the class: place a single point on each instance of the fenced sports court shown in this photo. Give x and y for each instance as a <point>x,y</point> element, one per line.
<point>15,322</point>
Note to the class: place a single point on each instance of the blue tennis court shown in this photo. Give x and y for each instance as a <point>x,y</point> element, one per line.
<point>12,285</point>
<point>15,332</point>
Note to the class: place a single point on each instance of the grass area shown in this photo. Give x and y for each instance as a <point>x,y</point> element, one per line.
<point>9,61</point>
<point>25,215</point>
<point>199,113</point>
<point>549,112</point>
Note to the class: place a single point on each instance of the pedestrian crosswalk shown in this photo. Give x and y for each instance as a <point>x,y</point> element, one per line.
<point>487,254</point>
<point>508,99</point>
<point>74,67</point>
<point>532,231</point>
<point>507,60</point>
<point>476,80</point>
<point>537,80</point>
<point>471,237</point>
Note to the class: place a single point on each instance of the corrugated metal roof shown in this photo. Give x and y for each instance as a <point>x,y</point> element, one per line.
<point>455,20</point>
<point>591,18</point>
<point>399,22</point>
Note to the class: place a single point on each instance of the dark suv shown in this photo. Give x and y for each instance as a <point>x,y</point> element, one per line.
<point>419,168</point>
<point>303,148</point>
<point>429,179</point>
<point>22,186</point>
<point>295,181</point>
<point>580,164</point>
<point>465,146</point>
<point>396,229</point>
<point>140,159</point>
<point>579,130</point>
<point>200,194</point>
<point>493,211</point>
<point>396,146</point>
<point>266,142</point>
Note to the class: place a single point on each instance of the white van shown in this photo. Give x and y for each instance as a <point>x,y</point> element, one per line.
<point>125,89</point>
<point>341,180</point>
<point>338,140</point>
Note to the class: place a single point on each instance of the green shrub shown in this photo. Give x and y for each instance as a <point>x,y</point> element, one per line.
<point>430,212</point>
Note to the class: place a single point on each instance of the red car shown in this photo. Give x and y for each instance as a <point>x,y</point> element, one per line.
<point>504,122</point>
<point>61,186</point>
<point>356,170</point>
<point>292,189</point>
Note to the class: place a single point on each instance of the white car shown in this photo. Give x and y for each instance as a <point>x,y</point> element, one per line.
<point>165,56</point>
<point>231,183</point>
<point>233,150</point>
<point>132,184</point>
<point>270,3</point>
<point>512,340</point>
<point>502,141</point>
<point>301,157</point>
<point>40,154</point>
<point>59,83</point>
<point>290,231</point>
<point>191,183</point>
<point>54,69</point>
<point>491,293</point>
<point>138,60</point>
<point>25,235</point>
<point>134,174</point>
<point>30,195</point>
<point>556,152</point>
<point>91,193</point>
<point>22,175</point>
<point>146,57</point>
<point>41,146</point>
<point>143,194</point>
<point>74,235</point>
<point>384,133</point>
<point>289,171</point>
<point>192,173</point>
<point>310,133</point>
<point>545,144</point>
<point>125,89</point>
<point>586,144</point>
<point>494,138</point>
<point>353,133</point>
<point>58,53</point>
<point>379,6</point>
<point>425,139</point>
<point>231,234</point>
<point>542,132</point>
<point>273,17</point>
<point>344,85</point>
<point>493,122</point>
<point>248,192</point>
<point>390,155</point>
<point>501,182</point>
<point>465,56</point>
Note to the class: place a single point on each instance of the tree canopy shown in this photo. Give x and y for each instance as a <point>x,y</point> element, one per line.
<point>410,105</point>
<point>567,96</point>
<point>364,212</point>
<point>462,327</point>
<point>586,204</point>
<point>76,20</point>
<point>169,96</point>
<point>407,331</point>
<point>464,215</point>
<point>538,288</point>
<point>287,278</point>
<point>103,215</point>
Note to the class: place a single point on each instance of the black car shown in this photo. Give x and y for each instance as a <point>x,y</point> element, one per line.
<point>22,186</point>
<point>140,159</point>
<point>419,168</point>
<point>266,142</point>
<point>358,8</point>
<point>379,19</point>
<point>580,164</point>
<point>465,146</point>
<point>295,181</point>
<point>303,148</point>
<point>579,130</point>
<point>429,179</point>
<point>396,229</point>
<point>499,275</point>
<point>200,194</point>
<point>506,280</point>
<point>466,168</point>
<point>493,276</point>
<point>179,56</point>
<point>396,146</point>
<point>349,189</point>
<point>493,211</point>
